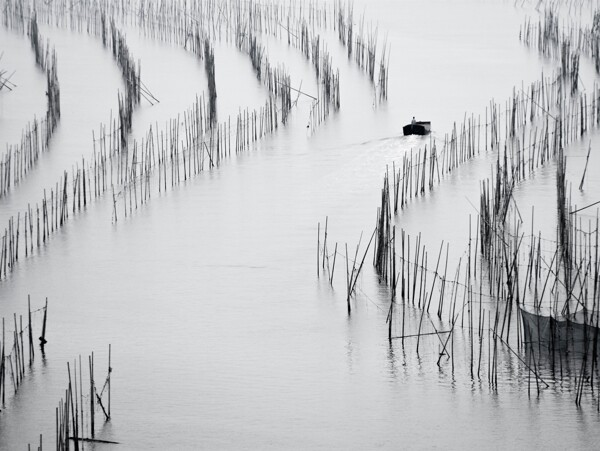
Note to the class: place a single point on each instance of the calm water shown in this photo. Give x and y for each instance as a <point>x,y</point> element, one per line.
<point>222,335</point>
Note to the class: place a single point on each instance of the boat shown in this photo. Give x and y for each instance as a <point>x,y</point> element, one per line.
<point>417,128</point>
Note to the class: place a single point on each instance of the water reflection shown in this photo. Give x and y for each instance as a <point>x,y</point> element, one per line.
<point>391,358</point>
<point>350,358</point>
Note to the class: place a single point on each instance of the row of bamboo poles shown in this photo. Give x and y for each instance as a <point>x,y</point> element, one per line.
<point>29,230</point>
<point>312,47</point>
<point>176,23</point>
<point>532,140</point>
<point>463,311</point>
<point>115,40</point>
<point>564,42</point>
<point>14,15</point>
<point>15,360</point>
<point>19,159</point>
<point>362,44</point>
<point>73,419</point>
<point>275,79</point>
<point>210,142</point>
<point>76,412</point>
<point>510,170</point>
<point>495,202</point>
<point>552,283</point>
<point>562,274</point>
<point>463,300</point>
<point>241,22</point>
<point>510,280</point>
<point>180,151</point>
<point>486,303</point>
<point>183,149</point>
<point>549,282</point>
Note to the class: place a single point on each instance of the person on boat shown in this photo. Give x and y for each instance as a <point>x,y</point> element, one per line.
<point>413,121</point>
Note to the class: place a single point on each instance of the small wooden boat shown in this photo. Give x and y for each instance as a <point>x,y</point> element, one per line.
<point>417,128</point>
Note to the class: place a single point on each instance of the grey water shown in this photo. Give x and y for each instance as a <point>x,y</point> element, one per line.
<point>222,335</point>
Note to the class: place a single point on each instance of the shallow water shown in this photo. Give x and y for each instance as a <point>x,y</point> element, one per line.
<point>222,335</point>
